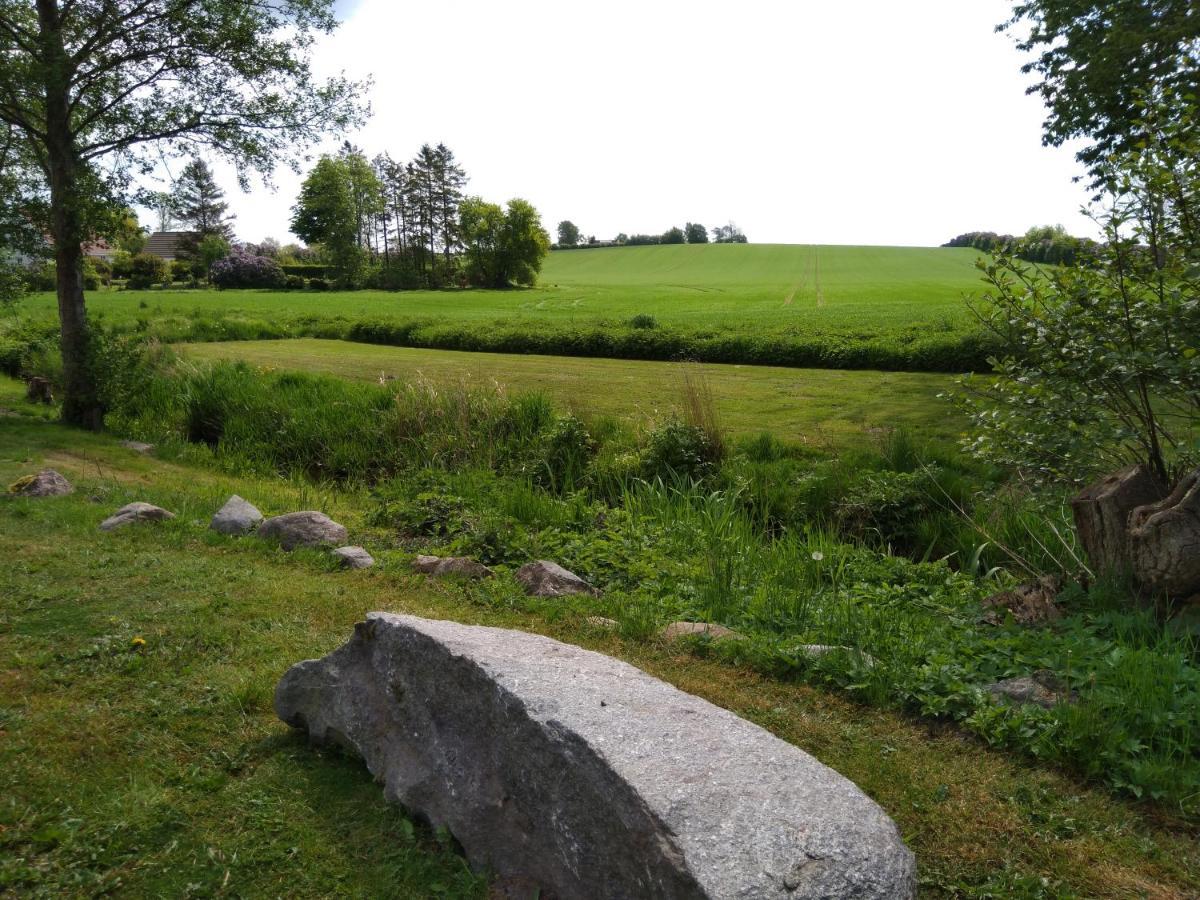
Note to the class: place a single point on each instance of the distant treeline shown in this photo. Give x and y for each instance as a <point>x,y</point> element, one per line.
<point>1044,244</point>
<point>570,238</point>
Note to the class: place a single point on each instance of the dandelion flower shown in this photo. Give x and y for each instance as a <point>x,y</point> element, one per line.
<point>138,641</point>
<point>818,555</point>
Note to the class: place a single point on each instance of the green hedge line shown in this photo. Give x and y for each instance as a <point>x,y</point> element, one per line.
<point>306,270</point>
<point>914,349</point>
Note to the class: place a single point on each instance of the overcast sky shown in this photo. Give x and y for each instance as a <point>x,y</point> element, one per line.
<point>868,122</point>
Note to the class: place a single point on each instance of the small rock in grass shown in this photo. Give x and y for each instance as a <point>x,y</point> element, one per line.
<point>137,446</point>
<point>237,516</point>
<point>353,557</point>
<point>46,483</point>
<point>547,579</point>
<point>710,629</point>
<point>461,566</point>
<point>308,528</point>
<point>1043,688</point>
<point>816,651</point>
<point>603,622</point>
<point>1029,604</point>
<point>135,512</point>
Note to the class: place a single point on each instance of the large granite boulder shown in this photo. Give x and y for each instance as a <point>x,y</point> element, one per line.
<point>303,529</point>
<point>548,579</point>
<point>46,483</point>
<point>237,516</point>
<point>135,512</point>
<point>585,776</point>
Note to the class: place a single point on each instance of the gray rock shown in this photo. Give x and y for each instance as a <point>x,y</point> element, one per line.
<point>354,557</point>
<point>137,446</point>
<point>461,566</point>
<point>46,483</point>
<point>603,622</point>
<point>816,651</point>
<point>303,529</point>
<point>586,776</point>
<point>135,512</point>
<point>547,579</point>
<point>237,516</point>
<point>1043,688</point>
<point>708,629</point>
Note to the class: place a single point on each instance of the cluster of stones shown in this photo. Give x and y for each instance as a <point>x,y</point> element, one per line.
<point>307,528</point>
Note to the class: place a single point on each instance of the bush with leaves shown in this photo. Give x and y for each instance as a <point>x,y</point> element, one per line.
<point>12,286</point>
<point>678,449</point>
<point>1099,366</point>
<point>242,270</point>
<point>145,270</point>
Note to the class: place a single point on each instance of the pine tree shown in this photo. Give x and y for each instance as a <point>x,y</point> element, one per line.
<point>199,202</point>
<point>450,179</point>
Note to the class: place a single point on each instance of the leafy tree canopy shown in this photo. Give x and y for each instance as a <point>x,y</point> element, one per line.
<point>1100,362</point>
<point>1102,61</point>
<point>568,234</point>
<point>95,92</point>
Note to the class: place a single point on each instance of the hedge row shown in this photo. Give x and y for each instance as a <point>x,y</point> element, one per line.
<point>907,350</point>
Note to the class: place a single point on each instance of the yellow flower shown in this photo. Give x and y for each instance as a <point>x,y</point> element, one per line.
<point>138,641</point>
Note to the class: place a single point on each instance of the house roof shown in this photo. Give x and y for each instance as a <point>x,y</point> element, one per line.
<point>166,243</point>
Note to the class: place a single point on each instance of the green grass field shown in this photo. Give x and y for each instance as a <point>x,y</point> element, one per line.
<point>818,407</point>
<point>157,768</point>
<point>836,307</point>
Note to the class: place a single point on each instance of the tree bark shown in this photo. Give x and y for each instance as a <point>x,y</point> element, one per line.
<point>1102,511</point>
<point>1164,541</point>
<point>81,404</point>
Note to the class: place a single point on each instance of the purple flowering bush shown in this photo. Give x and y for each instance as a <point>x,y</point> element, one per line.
<point>241,269</point>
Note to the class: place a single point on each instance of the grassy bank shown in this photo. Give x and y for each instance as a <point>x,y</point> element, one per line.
<point>897,309</point>
<point>159,769</point>
<point>819,407</point>
<point>884,552</point>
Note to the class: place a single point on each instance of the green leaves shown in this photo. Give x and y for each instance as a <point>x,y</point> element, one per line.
<point>1098,363</point>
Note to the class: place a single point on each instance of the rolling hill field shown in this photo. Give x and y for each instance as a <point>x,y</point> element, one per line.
<point>819,306</point>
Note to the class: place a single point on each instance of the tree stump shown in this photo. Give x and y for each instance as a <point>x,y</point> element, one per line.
<point>39,390</point>
<point>1164,541</point>
<point>1101,512</point>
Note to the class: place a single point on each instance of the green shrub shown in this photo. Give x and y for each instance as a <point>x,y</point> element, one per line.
<point>886,506</point>
<point>42,276</point>
<point>146,270</point>
<point>643,321</point>
<point>318,284</point>
<point>294,283</point>
<point>677,449</point>
<point>565,454</point>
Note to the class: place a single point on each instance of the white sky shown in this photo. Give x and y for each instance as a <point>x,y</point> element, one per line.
<point>844,122</point>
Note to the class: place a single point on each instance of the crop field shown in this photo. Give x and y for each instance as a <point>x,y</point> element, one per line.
<point>813,406</point>
<point>819,306</point>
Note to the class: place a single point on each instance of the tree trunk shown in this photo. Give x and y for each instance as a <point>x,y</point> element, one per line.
<point>1102,511</point>
<point>81,405</point>
<point>1164,541</point>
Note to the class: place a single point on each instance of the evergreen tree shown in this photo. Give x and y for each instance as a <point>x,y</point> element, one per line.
<point>199,203</point>
<point>450,179</point>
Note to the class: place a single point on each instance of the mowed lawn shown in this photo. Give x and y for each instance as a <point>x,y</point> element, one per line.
<point>858,291</point>
<point>816,406</point>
